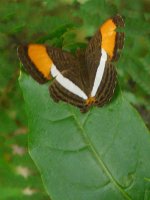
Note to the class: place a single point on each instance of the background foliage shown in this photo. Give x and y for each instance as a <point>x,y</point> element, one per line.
<point>67,24</point>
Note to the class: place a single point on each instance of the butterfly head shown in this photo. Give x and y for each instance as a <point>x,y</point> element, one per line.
<point>90,100</point>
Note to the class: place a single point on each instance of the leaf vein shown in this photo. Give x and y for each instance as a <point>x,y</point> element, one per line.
<point>99,160</point>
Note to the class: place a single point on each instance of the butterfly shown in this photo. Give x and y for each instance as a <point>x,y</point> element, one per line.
<point>85,79</point>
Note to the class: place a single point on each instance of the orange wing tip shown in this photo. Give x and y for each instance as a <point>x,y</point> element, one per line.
<point>109,34</point>
<point>40,58</point>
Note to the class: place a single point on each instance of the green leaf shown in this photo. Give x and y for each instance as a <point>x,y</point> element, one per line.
<point>103,154</point>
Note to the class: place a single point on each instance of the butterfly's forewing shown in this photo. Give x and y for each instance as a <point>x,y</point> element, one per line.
<point>45,63</point>
<point>36,61</point>
<point>92,57</point>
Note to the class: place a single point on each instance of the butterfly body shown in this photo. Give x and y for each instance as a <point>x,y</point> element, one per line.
<point>85,79</point>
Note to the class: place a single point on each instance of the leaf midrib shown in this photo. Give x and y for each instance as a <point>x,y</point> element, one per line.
<point>99,160</point>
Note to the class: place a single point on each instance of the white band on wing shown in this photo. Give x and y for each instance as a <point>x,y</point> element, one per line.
<point>66,83</point>
<point>99,73</point>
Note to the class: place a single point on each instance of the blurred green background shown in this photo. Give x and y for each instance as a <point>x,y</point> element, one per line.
<point>68,24</point>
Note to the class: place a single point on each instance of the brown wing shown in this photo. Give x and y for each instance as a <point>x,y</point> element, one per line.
<point>70,69</point>
<point>92,57</point>
<point>59,92</point>
<point>107,86</point>
<point>39,60</point>
<point>109,39</point>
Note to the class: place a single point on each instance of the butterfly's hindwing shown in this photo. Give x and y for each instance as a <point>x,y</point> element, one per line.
<point>58,92</point>
<point>68,87</point>
<point>107,86</point>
